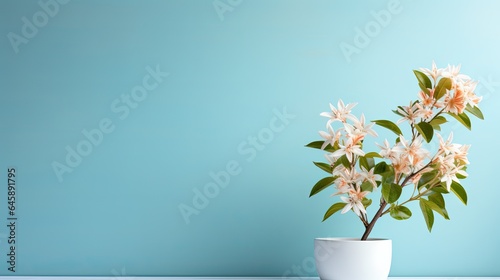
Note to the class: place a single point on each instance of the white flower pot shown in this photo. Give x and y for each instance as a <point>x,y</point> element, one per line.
<point>353,259</point>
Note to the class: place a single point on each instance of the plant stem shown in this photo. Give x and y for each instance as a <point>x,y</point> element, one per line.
<point>364,220</point>
<point>383,204</point>
<point>369,228</point>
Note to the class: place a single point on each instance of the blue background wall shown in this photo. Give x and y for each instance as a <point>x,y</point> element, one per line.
<point>238,70</point>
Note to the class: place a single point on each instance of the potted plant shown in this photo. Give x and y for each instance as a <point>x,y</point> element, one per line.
<point>406,162</point>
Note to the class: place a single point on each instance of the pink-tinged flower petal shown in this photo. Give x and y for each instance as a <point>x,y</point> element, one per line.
<point>348,206</point>
<point>434,72</point>
<point>342,113</point>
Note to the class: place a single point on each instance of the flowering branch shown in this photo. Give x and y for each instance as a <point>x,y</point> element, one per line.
<point>355,174</point>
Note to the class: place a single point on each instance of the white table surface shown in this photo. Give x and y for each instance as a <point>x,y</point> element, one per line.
<point>219,278</point>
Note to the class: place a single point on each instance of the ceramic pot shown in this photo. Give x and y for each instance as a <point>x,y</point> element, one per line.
<point>353,259</point>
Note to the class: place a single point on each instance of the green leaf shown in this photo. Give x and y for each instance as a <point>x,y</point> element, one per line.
<point>463,119</point>
<point>367,163</point>
<point>341,160</point>
<point>437,122</point>
<point>380,168</point>
<point>425,90</point>
<point>441,188</point>
<point>459,191</point>
<point>423,81</point>
<point>388,176</point>
<point>333,209</point>
<point>318,144</point>
<point>324,166</point>
<point>438,201</point>
<point>344,161</point>
<point>373,155</point>
<point>425,130</point>
<point>366,186</point>
<point>398,113</point>
<point>400,212</point>
<point>366,202</point>
<point>428,214</point>
<point>391,192</point>
<point>389,125</point>
<point>321,185</point>
<point>475,111</point>
<point>427,178</point>
<point>443,85</point>
<point>315,144</point>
